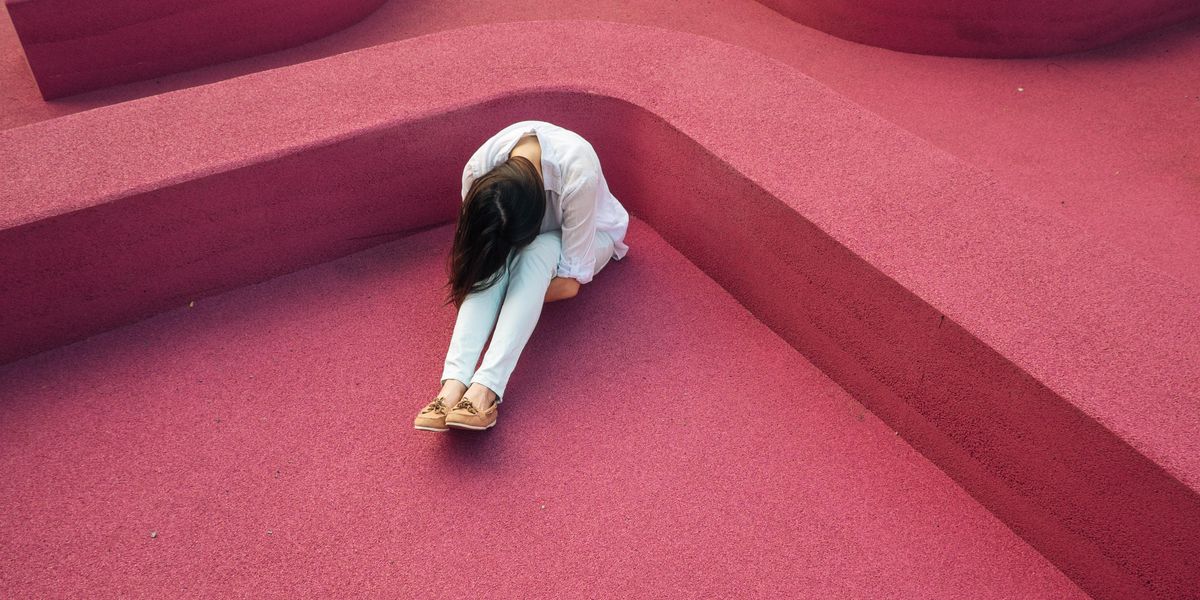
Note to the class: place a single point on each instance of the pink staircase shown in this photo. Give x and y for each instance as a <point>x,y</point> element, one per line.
<point>716,432</point>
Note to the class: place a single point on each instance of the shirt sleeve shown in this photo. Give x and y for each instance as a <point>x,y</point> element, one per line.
<point>468,177</point>
<point>578,257</point>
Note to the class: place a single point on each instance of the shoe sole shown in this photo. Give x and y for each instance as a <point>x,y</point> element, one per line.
<point>423,428</point>
<point>471,427</point>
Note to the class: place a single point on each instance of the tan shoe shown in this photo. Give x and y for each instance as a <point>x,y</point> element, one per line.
<point>464,415</point>
<point>432,417</point>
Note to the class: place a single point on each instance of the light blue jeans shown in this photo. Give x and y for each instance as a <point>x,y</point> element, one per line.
<point>511,307</point>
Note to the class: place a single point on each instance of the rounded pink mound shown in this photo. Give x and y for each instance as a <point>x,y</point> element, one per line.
<point>987,28</point>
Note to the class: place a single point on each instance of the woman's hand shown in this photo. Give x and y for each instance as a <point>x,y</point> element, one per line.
<point>562,288</point>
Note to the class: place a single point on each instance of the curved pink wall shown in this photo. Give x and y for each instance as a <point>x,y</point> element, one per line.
<point>78,45</point>
<point>134,208</point>
<point>986,28</point>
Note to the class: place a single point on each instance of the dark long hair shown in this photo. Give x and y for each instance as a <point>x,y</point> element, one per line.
<point>502,212</point>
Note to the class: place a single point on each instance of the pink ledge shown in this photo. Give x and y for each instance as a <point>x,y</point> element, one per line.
<point>1052,376</point>
<point>987,28</point>
<point>78,45</point>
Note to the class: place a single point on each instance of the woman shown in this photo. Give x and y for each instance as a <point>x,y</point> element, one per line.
<point>537,221</point>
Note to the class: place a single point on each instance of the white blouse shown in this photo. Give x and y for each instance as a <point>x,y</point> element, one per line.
<point>577,196</point>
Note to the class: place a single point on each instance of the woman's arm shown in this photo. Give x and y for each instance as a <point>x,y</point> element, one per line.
<point>562,288</point>
<point>577,261</point>
<point>578,257</point>
<point>468,178</point>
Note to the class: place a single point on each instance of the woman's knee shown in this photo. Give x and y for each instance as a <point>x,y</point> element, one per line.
<point>544,250</point>
<point>552,238</point>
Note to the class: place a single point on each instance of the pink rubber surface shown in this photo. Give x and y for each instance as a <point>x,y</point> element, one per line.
<point>985,28</point>
<point>859,284</point>
<point>645,450</point>
<point>1107,139</point>
<point>1092,291</point>
<point>75,46</point>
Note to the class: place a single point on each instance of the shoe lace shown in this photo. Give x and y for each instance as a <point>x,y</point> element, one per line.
<point>437,406</point>
<point>466,405</point>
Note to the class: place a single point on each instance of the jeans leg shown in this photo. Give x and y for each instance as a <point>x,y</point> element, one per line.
<point>476,318</point>
<point>533,269</point>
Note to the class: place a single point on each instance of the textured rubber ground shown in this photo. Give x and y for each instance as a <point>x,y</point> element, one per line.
<point>954,310</point>
<point>658,442</point>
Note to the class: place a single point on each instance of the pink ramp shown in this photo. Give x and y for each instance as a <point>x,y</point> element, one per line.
<point>79,45</point>
<point>264,437</point>
<point>847,235</point>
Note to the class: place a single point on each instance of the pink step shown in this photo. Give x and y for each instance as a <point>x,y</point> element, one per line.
<point>985,28</point>
<point>981,330</point>
<point>656,441</point>
<point>75,46</point>
<point>1063,131</point>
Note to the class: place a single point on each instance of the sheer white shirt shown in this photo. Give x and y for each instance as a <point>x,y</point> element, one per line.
<point>578,200</point>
